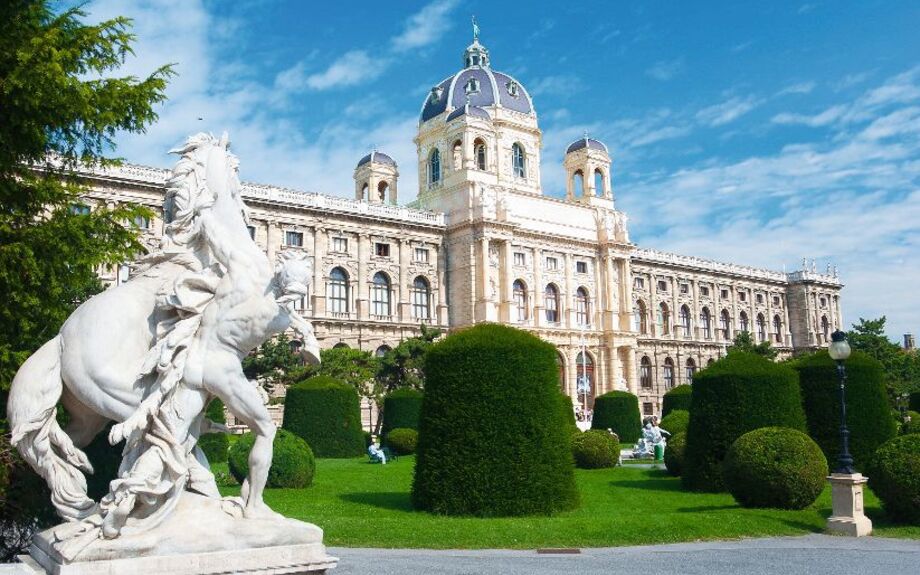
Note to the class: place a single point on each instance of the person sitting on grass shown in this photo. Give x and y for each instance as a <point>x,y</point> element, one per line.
<point>375,452</point>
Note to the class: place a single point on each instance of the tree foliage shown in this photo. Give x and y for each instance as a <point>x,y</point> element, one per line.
<point>274,362</point>
<point>744,341</point>
<point>60,108</point>
<point>901,367</point>
<point>354,367</point>
<point>404,365</point>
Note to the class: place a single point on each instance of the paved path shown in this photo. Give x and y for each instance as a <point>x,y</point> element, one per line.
<point>807,555</point>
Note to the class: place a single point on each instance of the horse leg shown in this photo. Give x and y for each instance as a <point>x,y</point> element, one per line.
<point>85,424</point>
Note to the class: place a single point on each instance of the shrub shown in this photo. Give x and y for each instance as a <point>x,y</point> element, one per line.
<point>326,413</point>
<point>868,414</point>
<point>568,413</point>
<point>912,426</point>
<point>775,467</point>
<point>913,403</point>
<point>492,436</point>
<point>215,445</point>
<point>894,476</point>
<point>677,398</point>
<point>293,464</point>
<point>674,453</point>
<point>619,411</point>
<point>675,422</point>
<point>401,409</point>
<point>402,440</point>
<point>595,449</point>
<point>739,393</point>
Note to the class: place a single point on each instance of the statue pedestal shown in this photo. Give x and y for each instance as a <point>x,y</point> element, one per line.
<point>848,517</point>
<point>199,538</point>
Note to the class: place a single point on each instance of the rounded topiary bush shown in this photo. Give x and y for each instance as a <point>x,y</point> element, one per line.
<point>868,413</point>
<point>894,476</point>
<point>739,393</point>
<point>326,413</point>
<point>775,467</point>
<point>493,440</point>
<point>401,409</point>
<point>595,449</point>
<point>912,426</point>
<point>619,411</point>
<point>674,453</point>
<point>215,445</point>
<point>677,398</point>
<point>402,440</point>
<point>293,464</point>
<point>675,422</point>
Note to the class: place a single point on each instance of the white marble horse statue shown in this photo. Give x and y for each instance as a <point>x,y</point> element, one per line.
<point>151,353</point>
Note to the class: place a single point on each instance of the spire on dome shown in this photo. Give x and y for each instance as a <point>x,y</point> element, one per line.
<point>475,54</point>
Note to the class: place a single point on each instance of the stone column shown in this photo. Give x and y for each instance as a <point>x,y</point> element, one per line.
<point>319,272</point>
<point>565,301</point>
<point>442,310</point>
<point>405,305</point>
<point>506,295</point>
<point>273,239</point>
<point>482,280</point>
<point>630,370</point>
<point>536,301</point>
<point>626,300</point>
<point>360,283</point>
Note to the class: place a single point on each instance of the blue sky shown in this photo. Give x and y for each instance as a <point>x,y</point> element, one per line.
<point>759,133</point>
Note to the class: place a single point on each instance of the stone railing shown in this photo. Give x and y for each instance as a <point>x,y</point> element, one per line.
<point>285,196</point>
<point>659,257</point>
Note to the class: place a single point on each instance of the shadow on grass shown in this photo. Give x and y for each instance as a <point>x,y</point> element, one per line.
<point>707,508</point>
<point>662,482</point>
<point>398,501</point>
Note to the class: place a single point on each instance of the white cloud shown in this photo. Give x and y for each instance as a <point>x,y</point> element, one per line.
<point>425,26</point>
<point>354,67</point>
<point>666,69</point>
<point>728,111</point>
<point>800,88</point>
<point>824,118</point>
<point>560,85</point>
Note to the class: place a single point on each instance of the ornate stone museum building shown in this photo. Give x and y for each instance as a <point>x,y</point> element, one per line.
<point>482,242</point>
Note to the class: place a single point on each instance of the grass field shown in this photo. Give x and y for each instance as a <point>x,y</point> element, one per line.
<point>364,505</point>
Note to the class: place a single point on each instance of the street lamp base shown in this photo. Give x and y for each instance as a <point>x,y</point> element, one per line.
<point>848,516</point>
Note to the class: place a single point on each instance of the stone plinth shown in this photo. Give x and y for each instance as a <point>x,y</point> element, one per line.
<point>198,538</point>
<point>848,516</point>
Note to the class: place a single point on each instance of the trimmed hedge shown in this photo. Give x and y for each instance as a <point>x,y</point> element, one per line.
<point>293,464</point>
<point>568,413</point>
<point>675,422</point>
<point>868,413</point>
<point>677,398</point>
<point>402,440</point>
<point>912,426</point>
<point>775,467</point>
<point>913,403</point>
<point>401,408</point>
<point>674,453</point>
<point>894,476</point>
<point>492,438</point>
<point>619,411</point>
<point>215,445</point>
<point>326,413</point>
<point>739,393</point>
<point>595,449</point>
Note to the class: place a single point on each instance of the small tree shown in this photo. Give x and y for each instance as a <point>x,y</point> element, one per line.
<point>744,341</point>
<point>274,362</point>
<point>353,367</point>
<point>404,365</point>
<point>901,368</point>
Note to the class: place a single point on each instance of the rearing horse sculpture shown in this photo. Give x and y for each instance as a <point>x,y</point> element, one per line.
<point>152,352</point>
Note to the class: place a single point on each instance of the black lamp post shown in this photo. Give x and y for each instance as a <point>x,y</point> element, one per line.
<point>839,351</point>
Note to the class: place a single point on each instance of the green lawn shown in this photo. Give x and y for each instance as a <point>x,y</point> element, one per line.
<point>364,505</point>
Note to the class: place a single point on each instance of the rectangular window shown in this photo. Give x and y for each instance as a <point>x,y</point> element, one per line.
<point>340,245</point>
<point>742,296</point>
<point>760,298</point>
<point>684,288</point>
<point>421,255</point>
<point>142,223</point>
<point>776,300</point>
<point>704,291</point>
<point>293,239</point>
<point>382,250</point>
<point>581,267</point>
<point>252,232</point>
<point>725,294</point>
<point>79,209</point>
<point>639,283</point>
<point>552,264</point>
<point>662,286</point>
<point>519,259</point>
<point>648,408</point>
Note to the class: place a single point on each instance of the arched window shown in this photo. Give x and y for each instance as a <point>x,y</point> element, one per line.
<point>458,154</point>
<point>364,192</point>
<point>777,329</point>
<point>584,365</point>
<point>744,323</point>
<point>689,369</point>
<point>710,361</point>
<point>685,320</point>
<point>560,364</point>
<point>664,318</point>
<point>578,183</point>
<point>582,312</point>
<point>479,150</point>
<point>382,189</point>
<point>518,161</point>
<point>599,182</point>
<point>434,167</point>
<point>551,303</point>
<point>421,296</point>
<point>520,300</point>
<point>380,295</point>
<point>706,321</point>
<point>825,328</point>
<point>645,372</point>
<point>668,373</point>
<point>761,328</point>
<point>340,345</point>
<point>382,350</point>
<point>725,323</point>
<point>337,291</point>
<point>641,317</point>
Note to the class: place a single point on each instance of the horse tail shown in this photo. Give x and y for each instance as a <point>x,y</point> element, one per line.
<point>32,411</point>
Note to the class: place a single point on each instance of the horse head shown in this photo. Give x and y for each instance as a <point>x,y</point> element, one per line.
<point>293,275</point>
